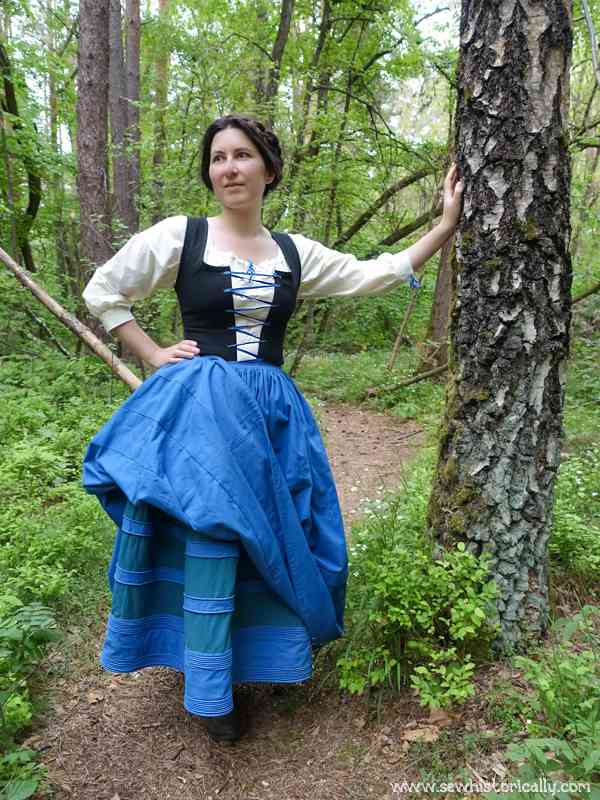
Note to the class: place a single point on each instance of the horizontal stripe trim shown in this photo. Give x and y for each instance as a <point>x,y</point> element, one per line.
<point>211,549</point>
<point>257,674</point>
<point>195,660</point>
<point>113,664</point>
<point>133,577</point>
<point>208,708</point>
<point>271,633</point>
<point>208,605</point>
<point>136,527</point>
<point>141,624</point>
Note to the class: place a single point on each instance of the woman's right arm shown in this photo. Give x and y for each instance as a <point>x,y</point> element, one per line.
<point>149,260</point>
<point>138,341</point>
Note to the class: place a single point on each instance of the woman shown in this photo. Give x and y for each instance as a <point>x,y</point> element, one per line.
<point>230,560</point>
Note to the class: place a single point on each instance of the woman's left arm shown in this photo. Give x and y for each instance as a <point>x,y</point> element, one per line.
<point>422,250</point>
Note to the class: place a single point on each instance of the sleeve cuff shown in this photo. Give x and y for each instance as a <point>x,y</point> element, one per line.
<point>115,317</point>
<point>406,272</point>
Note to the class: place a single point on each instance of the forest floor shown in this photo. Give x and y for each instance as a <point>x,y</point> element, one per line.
<point>127,737</point>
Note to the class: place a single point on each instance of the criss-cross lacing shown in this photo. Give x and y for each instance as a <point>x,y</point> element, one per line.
<point>242,291</point>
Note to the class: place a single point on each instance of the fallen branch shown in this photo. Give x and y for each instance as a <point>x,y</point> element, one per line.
<point>71,322</point>
<point>422,376</point>
<point>592,290</point>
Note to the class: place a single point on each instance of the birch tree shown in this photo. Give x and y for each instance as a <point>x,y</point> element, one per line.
<point>500,443</point>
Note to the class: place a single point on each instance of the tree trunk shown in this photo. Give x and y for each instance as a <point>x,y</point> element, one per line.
<point>117,90</point>
<point>500,444</point>
<point>160,109</point>
<point>131,217</point>
<point>267,95</point>
<point>25,219</point>
<point>92,131</point>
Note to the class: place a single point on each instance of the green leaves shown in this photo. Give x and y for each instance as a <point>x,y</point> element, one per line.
<point>414,620</point>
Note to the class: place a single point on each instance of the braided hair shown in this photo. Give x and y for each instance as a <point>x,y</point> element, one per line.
<point>265,140</point>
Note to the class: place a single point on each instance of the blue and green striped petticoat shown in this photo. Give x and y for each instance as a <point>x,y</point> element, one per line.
<point>230,559</point>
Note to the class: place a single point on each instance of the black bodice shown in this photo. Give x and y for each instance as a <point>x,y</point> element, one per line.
<point>215,305</point>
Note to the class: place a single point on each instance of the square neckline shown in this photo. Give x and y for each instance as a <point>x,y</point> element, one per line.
<point>212,253</point>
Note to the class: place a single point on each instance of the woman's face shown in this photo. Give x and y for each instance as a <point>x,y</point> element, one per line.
<point>237,171</point>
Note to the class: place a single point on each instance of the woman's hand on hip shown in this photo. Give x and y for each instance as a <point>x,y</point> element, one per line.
<point>187,348</point>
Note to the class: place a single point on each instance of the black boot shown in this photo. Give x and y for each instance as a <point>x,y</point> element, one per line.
<point>225,729</point>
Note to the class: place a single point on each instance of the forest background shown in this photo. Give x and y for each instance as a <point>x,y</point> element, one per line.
<point>363,98</point>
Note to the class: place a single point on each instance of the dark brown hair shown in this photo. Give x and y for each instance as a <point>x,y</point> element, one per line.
<point>265,140</point>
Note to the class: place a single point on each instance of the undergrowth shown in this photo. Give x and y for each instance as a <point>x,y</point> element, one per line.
<point>53,536</point>
<point>414,620</point>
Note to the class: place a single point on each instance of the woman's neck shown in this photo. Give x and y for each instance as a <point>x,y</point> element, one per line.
<point>243,223</point>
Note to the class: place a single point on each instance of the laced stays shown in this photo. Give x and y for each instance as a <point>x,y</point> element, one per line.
<point>246,287</point>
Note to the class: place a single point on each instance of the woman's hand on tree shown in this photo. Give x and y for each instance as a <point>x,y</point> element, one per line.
<point>453,189</point>
<point>187,348</point>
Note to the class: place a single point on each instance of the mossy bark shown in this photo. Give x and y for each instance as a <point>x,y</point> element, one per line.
<point>509,328</point>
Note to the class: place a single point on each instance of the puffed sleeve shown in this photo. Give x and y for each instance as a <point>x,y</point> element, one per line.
<point>329,273</point>
<point>149,260</point>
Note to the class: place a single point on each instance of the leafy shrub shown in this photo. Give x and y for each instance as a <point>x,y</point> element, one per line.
<point>412,618</point>
<point>20,774</point>
<point>564,707</point>
<point>24,634</point>
<point>52,534</point>
<point>575,540</point>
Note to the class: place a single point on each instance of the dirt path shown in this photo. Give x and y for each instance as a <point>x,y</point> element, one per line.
<point>127,737</point>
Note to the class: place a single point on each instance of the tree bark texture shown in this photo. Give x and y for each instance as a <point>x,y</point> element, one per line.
<point>509,329</point>
<point>25,219</point>
<point>268,97</point>
<point>161,86</point>
<point>132,39</point>
<point>92,131</point>
<point>117,91</point>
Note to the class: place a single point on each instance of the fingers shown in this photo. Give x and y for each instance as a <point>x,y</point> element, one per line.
<point>187,348</point>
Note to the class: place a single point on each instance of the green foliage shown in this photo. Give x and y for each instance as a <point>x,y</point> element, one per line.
<point>52,534</point>
<point>575,541</point>
<point>20,774</point>
<point>563,706</point>
<point>348,379</point>
<point>414,619</point>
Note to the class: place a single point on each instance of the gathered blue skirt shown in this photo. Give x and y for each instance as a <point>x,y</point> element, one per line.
<point>230,558</point>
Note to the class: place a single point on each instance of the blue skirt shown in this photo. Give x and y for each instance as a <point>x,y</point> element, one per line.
<point>230,558</point>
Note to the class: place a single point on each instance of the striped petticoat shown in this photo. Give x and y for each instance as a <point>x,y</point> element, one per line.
<point>230,560</point>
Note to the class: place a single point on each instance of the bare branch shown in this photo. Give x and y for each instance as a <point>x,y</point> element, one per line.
<point>593,40</point>
<point>366,215</point>
<point>71,322</point>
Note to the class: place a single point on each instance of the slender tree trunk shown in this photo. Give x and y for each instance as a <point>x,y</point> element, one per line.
<point>131,216</point>
<point>117,101</point>
<point>500,443</point>
<point>160,110</point>
<point>10,196</point>
<point>435,352</point>
<point>92,131</point>
<point>25,219</point>
<point>267,95</point>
